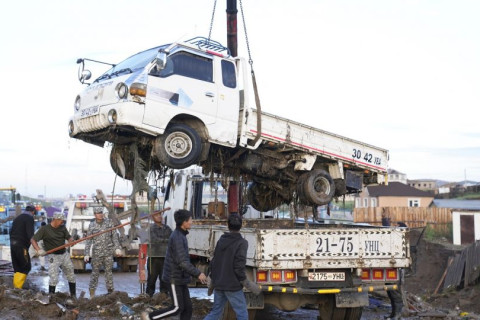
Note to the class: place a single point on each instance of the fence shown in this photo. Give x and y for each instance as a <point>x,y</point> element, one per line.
<point>437,218</point>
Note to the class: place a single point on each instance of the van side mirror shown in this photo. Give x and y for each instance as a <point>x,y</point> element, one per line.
<point>161,60</point>
<point>83,74</point>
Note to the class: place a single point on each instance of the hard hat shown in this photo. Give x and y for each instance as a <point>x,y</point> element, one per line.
<point>59,216</point>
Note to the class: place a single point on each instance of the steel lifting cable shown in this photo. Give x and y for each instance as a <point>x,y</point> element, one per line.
<point>254,83</point>
<point>211,21</point>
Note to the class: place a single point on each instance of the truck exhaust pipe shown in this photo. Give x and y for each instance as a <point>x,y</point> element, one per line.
<point>232,27</point>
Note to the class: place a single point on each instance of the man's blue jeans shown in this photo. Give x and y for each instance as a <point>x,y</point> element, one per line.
<point>236,299</point>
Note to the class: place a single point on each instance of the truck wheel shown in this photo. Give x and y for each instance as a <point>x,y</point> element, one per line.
<point>179,147</point>
<point>262,198</point>
<point>317,187</point>
<point>122,161</point>
<point>328,311</point>
<point>353,313</point>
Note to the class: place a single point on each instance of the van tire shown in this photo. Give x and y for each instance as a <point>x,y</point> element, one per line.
<point>178,147</point>
<point>122,160</point>
<point>316,187</point>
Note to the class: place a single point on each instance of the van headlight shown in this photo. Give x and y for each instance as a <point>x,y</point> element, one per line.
<point>77,103</point>
<point>112,116</point>
<point>122,90</point>
<point>71,128</point>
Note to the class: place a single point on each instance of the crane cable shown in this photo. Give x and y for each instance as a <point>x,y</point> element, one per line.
<point>250,62</point>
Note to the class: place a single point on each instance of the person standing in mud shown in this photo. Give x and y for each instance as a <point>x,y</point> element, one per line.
<point>178,271</point>
<point>158,236</point>
<point>20,235</point>
<point>396,296</point>
<point>54,235</point>
<point>228,272</point>
<point>103,246</point>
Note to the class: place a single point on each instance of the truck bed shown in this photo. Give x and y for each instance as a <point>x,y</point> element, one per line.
<point>312,140</point>
<point>332,247</point>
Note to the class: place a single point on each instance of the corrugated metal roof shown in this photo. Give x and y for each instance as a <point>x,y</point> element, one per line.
<point>457,204</point>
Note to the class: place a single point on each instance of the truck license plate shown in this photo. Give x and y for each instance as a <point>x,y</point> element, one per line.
<point>326,276</point>
<point>88,112</point>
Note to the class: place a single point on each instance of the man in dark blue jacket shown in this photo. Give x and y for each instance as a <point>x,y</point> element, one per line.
<point>228,271</point>
<point>178,270</point>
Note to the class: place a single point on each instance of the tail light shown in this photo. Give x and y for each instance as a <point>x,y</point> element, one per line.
<point>262,276</point>
<point>118,204</point>
<point>80,205</point>
<point>290,275</point>
<point>366,274</point>
<point>276,276</point>
<point>392,274</point>
<point>378,274</point>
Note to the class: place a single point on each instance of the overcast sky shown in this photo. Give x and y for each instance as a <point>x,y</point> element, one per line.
<point>401,75</point>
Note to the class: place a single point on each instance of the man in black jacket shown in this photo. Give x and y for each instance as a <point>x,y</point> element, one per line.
<point>228,271</point>
<point>20,235</point>
<point>177,271</point>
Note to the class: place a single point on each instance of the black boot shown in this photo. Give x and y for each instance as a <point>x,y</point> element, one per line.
<point>51,289</point>
<point>73,289</point>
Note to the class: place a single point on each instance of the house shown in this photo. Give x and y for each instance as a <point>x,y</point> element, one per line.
<point>396,176</point>
<point>395,194</point>
<point>428,185</point>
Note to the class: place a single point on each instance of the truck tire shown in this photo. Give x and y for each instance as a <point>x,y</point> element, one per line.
<point>316,187</point>
<point>121,159</point>
<point>262,198</point>
<point>328,311</point>
<point>179,147</point>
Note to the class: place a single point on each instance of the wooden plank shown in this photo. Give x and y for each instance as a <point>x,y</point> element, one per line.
<point>450,259</point>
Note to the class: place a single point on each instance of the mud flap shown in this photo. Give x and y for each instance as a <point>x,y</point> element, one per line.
<point>351,299</point>
<point>253,301</point>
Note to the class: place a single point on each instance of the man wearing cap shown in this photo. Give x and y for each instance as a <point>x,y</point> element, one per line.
<point>20,235</point>
<point>54,236</point>
<point>178,270</point>
<point>158,236</point>
<point>103,246</point>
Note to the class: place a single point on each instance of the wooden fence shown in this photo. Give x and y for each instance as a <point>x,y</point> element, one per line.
<point>414,217</point>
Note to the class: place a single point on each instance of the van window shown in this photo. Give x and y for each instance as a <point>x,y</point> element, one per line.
<point>188,65</point>
<point>228,74</point>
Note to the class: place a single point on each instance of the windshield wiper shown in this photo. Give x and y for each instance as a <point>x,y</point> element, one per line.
<point>116,73</point>
<point>106,75</point>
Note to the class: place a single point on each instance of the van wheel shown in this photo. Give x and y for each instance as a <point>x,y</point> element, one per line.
<point>122,161</point>
<point>179,147</point>
<point>263,198</point>
<point>316,187</point>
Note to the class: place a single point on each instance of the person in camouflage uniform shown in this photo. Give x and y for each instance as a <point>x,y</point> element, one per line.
<point>54,236</point>
<point>159,234</point>
<point>103,246</point>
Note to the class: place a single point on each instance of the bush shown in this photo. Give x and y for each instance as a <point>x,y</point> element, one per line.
<point>438,231</point>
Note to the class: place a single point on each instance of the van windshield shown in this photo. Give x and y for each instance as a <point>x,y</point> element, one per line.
<point>131,64</point>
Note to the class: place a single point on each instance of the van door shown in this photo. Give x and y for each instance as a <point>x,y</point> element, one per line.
<point>184,86</point>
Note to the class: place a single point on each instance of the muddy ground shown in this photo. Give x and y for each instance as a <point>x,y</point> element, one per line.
<point>33,303</point>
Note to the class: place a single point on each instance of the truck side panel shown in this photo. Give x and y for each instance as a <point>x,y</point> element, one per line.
<point>312,249</point>
<point>322,143</point>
